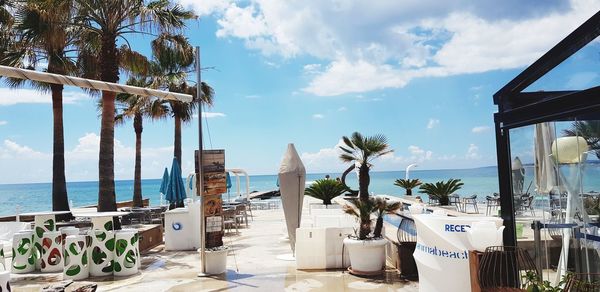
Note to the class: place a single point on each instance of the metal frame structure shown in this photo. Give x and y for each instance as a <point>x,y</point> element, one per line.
<point>517,109</point>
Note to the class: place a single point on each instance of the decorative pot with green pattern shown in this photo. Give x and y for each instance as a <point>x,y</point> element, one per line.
<point>126,256</point>
<point>41,224</point>
<point>76,258</point>
<point>101,252</point>
<point>52,255</point>
<point>23,260</point>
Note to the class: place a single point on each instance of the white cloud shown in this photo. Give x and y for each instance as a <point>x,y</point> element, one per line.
<point>252,96</point>
<point>394,42</point>
<point>342,109</point>
<point>19,96</point>
<point>480,129</point>
<point>418,154</point>
<point>23,164</point>
<point>432,123</point>
<point>209,115</point>
<point>2,123</point>
<point>206,7</point>
<point>473,152</point>
<point>318,116</point>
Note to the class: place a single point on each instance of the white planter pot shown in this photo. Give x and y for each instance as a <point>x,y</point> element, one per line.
<point>216,262</point>
<point>366,256</point>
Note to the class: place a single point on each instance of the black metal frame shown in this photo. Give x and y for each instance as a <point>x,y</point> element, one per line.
<point>517,109</point>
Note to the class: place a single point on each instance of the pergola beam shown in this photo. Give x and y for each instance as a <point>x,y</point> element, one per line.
<point>90,83</point>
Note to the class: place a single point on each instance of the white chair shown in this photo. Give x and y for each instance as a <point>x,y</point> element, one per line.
<point>52,252</point>
<point>76,258</point>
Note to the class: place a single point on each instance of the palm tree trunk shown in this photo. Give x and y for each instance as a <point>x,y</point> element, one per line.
<point>177,140</point>
<point>106,166</point>
<point>137,180</point>
<point>409,192</point>
<point>363,182</point>
<point>60,200</point>
<point>378,227</point>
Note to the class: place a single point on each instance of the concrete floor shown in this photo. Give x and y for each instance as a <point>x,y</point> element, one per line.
<point>252,266</point>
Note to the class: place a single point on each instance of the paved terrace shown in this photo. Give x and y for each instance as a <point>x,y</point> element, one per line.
<point>252,266</point>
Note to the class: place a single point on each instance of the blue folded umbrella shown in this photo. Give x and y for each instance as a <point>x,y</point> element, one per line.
<point>164,184</point>
<point>176,189</point>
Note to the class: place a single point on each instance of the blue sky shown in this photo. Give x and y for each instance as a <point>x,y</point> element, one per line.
<point>308,72</point>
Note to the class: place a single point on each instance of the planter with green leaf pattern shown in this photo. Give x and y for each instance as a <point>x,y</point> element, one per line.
<point>101,253</point>
<point>23,260</point>
<point>76,258</point>
<point>126,256</point>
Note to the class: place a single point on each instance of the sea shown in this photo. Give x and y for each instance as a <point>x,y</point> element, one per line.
<point>479,181</point>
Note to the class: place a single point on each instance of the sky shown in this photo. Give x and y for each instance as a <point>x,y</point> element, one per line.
<point>309,72</point>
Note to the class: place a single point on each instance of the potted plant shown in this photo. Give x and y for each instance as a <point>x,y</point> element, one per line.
<point>367,252</point>
<point>441,190</point>
<point>408,184</point>
<point>383,207</point>
<point>325,190</point>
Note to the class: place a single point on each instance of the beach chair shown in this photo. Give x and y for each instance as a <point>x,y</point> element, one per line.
<point>527,204</point>
<point>241,215</point>
<point>433,200</point>
<point>229,219</point>
<point>492,204</point>
<point>472,200</point>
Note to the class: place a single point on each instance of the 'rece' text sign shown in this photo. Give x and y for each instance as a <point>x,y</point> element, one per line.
<point>456,227</point>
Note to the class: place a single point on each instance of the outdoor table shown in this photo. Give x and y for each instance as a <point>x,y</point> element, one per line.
<point>102,220</point>
<point>44,221</point>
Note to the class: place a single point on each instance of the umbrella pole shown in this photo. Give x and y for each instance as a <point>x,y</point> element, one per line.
<point>200,176</point>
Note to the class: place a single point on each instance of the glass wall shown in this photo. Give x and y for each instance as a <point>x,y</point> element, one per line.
<point>555,175</point>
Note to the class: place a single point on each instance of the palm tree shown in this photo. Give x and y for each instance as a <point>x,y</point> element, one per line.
<point>362,210</point>
<point>362,150</point>
<point>41,32</point>
<point>105,21</point>
<point>408,184</point>
<point>173,60</point>
<point>325,190</point>
<point>442,190</point>
<point>589,130</point>
<point>382,207</point>
<point>138,107</point>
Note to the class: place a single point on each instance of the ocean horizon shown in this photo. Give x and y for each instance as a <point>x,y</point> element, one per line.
<point>482,181</point>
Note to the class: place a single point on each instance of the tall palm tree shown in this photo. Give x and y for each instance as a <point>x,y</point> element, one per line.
<point>173,60</point>
<point>137,107</point>
<point>362,150</point>
<point>41,32</point>
<point>589,130</point>
<point>106,21</point>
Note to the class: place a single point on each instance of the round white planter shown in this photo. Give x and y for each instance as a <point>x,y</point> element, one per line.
<point>216,261</point>
<point>367,257</point>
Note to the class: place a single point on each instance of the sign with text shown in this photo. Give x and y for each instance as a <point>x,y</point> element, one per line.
<point>213,172</point>
<point>214,184</point>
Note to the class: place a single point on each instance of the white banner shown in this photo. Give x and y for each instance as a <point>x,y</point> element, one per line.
<point>442,252</point>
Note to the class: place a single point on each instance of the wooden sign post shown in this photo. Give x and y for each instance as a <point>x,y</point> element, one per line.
<point>215,184</point>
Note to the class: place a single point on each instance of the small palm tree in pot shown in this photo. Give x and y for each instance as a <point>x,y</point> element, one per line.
<point>367,252</point>
<point>408,184</point>
<point>441,190</point>
<point>325,190</point>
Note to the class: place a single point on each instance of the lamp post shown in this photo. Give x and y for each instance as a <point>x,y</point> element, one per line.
<point>408,170</point>
<point>200,178</point>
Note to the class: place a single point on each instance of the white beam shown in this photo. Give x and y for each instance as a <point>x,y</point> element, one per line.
<point>89,83</point>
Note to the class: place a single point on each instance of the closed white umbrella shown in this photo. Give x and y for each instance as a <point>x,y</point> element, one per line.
<point>292,177</point>
<point>546,173</point>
